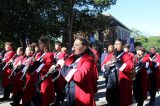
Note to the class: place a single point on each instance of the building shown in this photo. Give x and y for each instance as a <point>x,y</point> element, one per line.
<point>115,30</point>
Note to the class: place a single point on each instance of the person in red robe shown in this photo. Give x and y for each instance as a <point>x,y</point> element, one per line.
<point>95,53</point>
<point>127,50</point>
<point>17,94</point>
<point>57,51</point>
<point>107,62</point>
<point>59,88</point>
<point>153,76</point>
<point>63,54</point>
<point>6,82</point>
<point>46,87</point>
<point>157,60</point>
<point>108,56</point>
<point>118,86</point>
<point>78,73</point>
<point>29,80</point>
<point>142,63</point>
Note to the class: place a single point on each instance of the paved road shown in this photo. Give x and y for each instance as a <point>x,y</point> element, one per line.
<point>99,97</point>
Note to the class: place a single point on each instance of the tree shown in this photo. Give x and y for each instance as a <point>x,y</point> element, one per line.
<point>87,7</point>
<point>147,42</point>
<point>52,17</point>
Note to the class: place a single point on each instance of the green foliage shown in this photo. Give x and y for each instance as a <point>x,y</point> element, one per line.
<point>53,17</point>
<point>141,39</point>
<point>147,42</point>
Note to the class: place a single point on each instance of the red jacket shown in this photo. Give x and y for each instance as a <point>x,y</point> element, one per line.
<point>62,55</point>
<point>156,68</point>
<point>30,82</point>
<point>131,54</point>
<point>125,81</point>
<point>144,75</point>
<point>157,60</point>
<point>81,85</point>
<point>46,87</point>
<point>96,55</point>
<point>107,58</point>
<point>17,83</point>
<point>5,80</point>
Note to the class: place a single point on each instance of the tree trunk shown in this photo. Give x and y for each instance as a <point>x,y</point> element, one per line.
<point>70,24</point>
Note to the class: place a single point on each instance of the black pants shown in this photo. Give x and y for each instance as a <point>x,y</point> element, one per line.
<point>137,89</point>
<point>27,104</point>
<point>60,97</point>
<point>7,91</point>
<point>152,86</point>
<point>112,91</point>
<point>16,99</point>
<point>73,103</point>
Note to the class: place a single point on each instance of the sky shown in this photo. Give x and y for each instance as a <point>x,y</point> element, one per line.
<point>143,15</point>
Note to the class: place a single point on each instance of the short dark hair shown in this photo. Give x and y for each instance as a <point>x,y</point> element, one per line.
<point>34,45</point>
<point>141,48</point>
<point>153,47</point>
<point>120,40</point>
<point>20,48</point>
<point>127,46</point>
<point>9,43</point>
<point>46,41</point>
<point>30,47</point>
<point>58,43</point>
<point>110,45</point>
<point>83,41</point>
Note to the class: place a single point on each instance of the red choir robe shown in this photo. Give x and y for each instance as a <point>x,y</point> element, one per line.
<point>59,87</point>
<point>28,86</point>
<point>125,89</point>
<point>46,87</point>
<point>96,55</point>
<point>56,54</point>
<point>131,54</point>
<point>81,80</point>
<point>62,55</point>
<point>152,67</point>
<point>95,78</point>
<point>144,75</point>
<point>5,80</point>
<point>59,55</point>
<point>107,59</point>
<point>155,69</point>
<point>157,60</point>
<point>17,83</point>
<point>95,70</point>
<point>132,58</point>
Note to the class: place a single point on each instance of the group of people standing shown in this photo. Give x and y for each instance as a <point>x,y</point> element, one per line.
<point>41,77</point>
<point>130,74</point>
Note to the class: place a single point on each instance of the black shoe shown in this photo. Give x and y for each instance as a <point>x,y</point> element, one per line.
<point>151,103</point>
<point>140,104</point>
<point>3,99</point>
<point>13,104</point>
